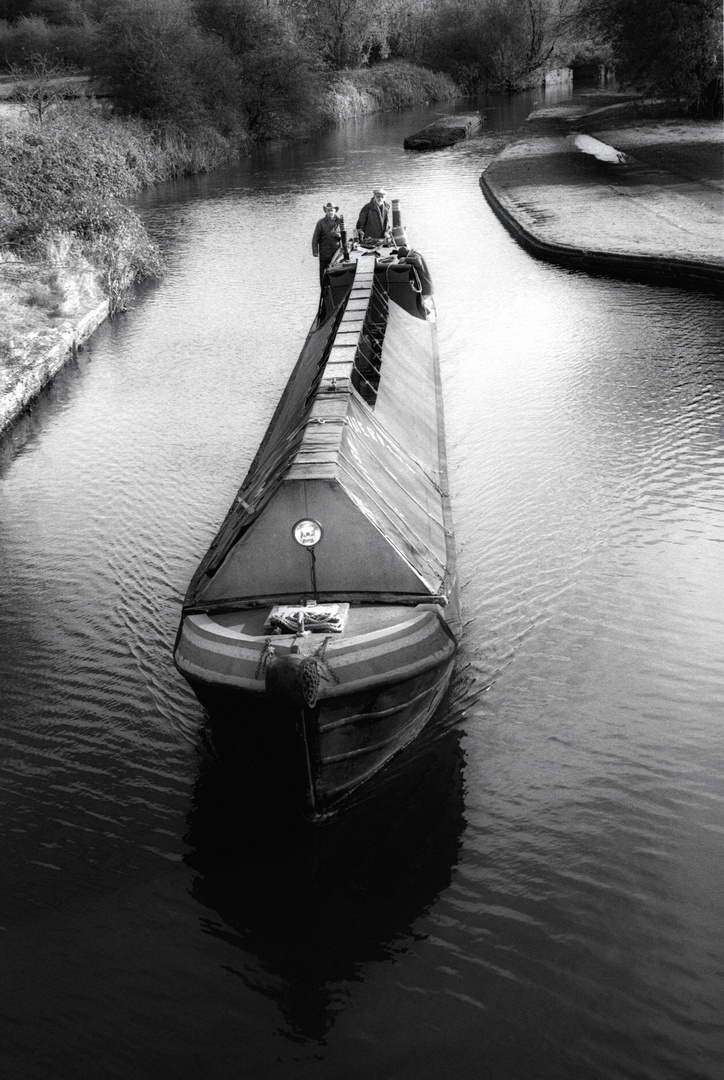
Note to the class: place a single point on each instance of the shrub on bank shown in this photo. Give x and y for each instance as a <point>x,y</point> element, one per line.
<point>272,75</point>
<point>64,176</point>
<point>71,44</point>
<point>63,185</point>
<point>156,63</point>
<point>398,84</point>
<point>394,85</point>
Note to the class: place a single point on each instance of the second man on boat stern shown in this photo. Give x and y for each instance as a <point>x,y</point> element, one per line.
<point>326,239</point>
<point>375,217</point>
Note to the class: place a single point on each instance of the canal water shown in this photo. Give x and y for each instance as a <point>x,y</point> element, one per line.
<point>536,890</point>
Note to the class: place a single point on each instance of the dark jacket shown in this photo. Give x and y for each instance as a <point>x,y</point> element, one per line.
<point>373,222</point>
<point>325,240</point>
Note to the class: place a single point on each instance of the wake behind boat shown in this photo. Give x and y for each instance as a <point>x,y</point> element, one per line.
<point>325,615</point>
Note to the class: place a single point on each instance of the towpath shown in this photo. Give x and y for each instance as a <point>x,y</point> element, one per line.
<point>599,185</point>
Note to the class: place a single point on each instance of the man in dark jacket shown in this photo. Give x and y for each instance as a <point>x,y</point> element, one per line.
<point>326,238</point>
<point>375,217</point>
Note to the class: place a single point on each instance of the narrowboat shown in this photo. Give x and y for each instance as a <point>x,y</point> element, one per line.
<point>324,619</point>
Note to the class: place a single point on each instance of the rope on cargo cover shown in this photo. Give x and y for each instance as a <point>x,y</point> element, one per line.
<point>416,289</point>
<point>267,655</point>
<point>416,276</point>
<point>362,377</point>
<point>320,655</point>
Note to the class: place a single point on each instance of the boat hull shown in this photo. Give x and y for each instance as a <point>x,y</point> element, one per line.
<point>328,750</point>
<point>353,739</point>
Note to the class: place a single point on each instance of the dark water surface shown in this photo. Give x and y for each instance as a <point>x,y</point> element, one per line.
<point>537,890</point>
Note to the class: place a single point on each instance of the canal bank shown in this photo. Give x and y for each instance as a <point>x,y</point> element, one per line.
<point>32,363</point>
<point>606,185</point>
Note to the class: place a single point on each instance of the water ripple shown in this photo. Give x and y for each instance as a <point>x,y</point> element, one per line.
<point>536,890</point>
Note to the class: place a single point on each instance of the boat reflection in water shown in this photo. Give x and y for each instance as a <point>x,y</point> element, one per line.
<point>325,616</point>
<point>307,906</point>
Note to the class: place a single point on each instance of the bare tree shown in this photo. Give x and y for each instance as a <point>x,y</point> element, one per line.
<point>41,86</point>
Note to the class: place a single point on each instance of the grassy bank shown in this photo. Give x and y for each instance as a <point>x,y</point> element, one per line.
<point>65,184</point>
<point>71,248</point>
<point>396,85</point>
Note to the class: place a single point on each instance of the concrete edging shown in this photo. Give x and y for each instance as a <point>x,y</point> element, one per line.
<point>684,273</point>
<point>33,381</point>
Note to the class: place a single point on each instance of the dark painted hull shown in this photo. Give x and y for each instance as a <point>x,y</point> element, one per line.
<point>326,752</point>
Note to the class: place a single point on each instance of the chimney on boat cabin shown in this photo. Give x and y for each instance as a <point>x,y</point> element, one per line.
<point>343,237</point>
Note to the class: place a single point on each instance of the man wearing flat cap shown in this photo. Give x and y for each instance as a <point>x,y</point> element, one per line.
<point>326,238</point>
<point>375,217</point>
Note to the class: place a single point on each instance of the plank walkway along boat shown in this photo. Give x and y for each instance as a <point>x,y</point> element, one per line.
<point>329,596</point>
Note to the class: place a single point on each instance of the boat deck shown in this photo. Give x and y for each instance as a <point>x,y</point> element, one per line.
<point>361,619</point>
<point>338,371</point>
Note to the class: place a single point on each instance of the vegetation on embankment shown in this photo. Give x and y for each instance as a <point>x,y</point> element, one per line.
<point>62,187</point>
<point>396,84</point>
